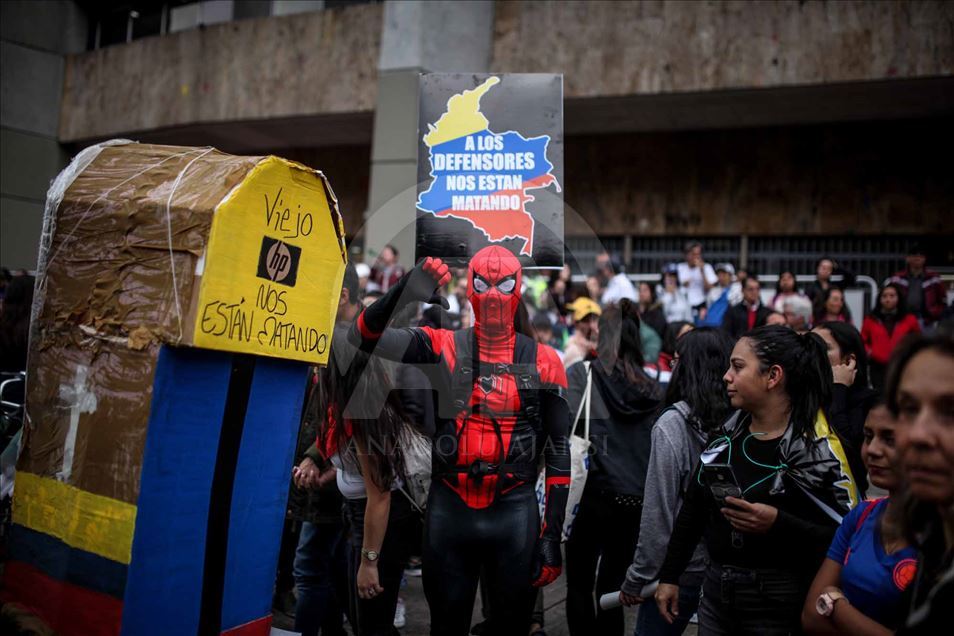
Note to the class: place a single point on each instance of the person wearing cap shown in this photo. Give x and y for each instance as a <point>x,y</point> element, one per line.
<point>720,297</point>
<point>725,274</point>
<point>586,314</point>
<point>925,293</point>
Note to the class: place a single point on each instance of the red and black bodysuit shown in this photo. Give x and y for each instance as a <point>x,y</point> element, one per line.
<point>501,404</point>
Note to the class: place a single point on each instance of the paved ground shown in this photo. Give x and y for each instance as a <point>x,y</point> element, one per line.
<point>554,598</point>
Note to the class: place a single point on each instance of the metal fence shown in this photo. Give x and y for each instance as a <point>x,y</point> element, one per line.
<point>878,256</point>
<point>874,256</point>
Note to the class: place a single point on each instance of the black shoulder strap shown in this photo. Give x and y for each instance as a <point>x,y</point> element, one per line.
<point>527,376</point>
<point>462,381</point>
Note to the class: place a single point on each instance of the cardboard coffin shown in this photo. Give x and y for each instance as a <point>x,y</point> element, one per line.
<point>182,295</point>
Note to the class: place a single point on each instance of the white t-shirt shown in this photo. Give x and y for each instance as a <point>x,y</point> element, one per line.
<point>618,288</point>
<point>675,306</point>
<point>696,290</point>
<point>351,484</point>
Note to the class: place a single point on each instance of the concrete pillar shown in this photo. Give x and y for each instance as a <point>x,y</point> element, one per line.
<point>417,37</point>
<point>34,38</point>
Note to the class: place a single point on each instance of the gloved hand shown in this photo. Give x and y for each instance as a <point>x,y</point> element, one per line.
<point>424,280</point>
<point>419,284</point>
<point>548,561</point>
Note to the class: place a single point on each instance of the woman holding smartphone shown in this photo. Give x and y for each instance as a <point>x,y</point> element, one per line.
<point>789,471</point>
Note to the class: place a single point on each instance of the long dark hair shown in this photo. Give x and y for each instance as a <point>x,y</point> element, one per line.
<point>697,379</point>
<point>822,300</point>
<point>902,309</point>
<point>358,389</point>
<point>778,283</point>
<point>652,291</point>
<point>672,335</point>
<point>808,376</point>
<point>850,343</point>
<point>619,347</point>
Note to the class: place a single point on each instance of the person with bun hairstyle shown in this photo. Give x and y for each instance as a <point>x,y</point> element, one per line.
<point>884,328</point>
<point>791,484</point>
<point>696,405</point>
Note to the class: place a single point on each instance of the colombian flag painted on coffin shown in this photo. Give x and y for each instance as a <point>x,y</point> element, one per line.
<point>197,554</point>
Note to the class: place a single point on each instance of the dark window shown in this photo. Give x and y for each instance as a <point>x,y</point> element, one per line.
<point>148,22</point>
<point>119,22</point>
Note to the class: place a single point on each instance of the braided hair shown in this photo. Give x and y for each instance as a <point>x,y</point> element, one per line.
<point>808,375</point>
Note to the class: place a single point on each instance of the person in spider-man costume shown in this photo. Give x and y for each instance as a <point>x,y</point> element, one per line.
<point>501,404</point>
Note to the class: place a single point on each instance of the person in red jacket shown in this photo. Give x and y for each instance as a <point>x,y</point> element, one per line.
<point>925,296</point>
<point>884,328</point>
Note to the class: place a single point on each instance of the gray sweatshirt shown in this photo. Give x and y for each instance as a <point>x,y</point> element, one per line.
<point>675,451</point>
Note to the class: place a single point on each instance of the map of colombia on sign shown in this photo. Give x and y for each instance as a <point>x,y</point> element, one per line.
<point>482,176</point>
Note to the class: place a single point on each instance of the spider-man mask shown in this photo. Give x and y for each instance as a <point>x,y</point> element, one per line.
<point>493,289</point>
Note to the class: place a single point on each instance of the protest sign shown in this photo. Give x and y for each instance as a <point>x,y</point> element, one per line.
<point>490,166</point>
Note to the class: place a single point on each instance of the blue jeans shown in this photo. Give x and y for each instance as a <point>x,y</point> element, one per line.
<point>649,622</point>
<point>321,571</point>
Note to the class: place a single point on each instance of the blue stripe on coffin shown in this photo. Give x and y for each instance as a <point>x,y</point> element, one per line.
<point>260,493</point>
<point>62,562</point>
<point>164,588</point>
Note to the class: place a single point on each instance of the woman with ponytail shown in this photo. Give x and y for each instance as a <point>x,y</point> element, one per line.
<point>623,404</point>
<point>696,406</point>
<point>791,487</point>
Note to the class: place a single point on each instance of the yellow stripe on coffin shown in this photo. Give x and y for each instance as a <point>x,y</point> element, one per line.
<point>82,520</point>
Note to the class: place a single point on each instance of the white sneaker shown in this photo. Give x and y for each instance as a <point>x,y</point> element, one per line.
<point>400,619</point>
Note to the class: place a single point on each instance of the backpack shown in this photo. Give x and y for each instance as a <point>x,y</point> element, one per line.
<point>417,468</point>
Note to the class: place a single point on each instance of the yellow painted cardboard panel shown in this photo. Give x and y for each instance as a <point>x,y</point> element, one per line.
<point>89,522</point>
<point>273,267</point>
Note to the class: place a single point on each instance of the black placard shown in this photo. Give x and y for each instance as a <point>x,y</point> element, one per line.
<point>490,166</point>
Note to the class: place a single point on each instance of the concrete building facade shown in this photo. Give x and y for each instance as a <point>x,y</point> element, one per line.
<point>35,38</point>
<point>742,122</point>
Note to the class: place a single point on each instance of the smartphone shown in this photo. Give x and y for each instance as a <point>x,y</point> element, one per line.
<point>720,478</point>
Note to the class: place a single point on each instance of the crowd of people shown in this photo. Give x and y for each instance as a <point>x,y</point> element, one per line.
<point>772,468</point>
